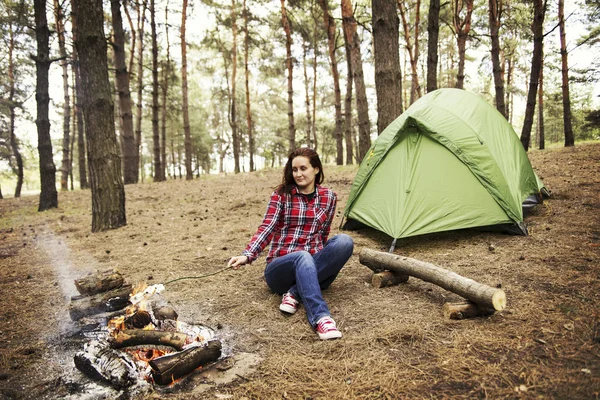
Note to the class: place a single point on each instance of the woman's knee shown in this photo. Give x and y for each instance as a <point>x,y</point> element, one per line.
<point>344,242</point>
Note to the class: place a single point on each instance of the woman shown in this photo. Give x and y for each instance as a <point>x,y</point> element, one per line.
<point>301,261</point>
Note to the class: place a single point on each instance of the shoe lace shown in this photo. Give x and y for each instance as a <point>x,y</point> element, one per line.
<point>289,299</point>
<point>326,324</point>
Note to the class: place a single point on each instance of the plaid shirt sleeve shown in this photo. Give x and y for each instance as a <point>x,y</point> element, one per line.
<point>267,228</point>
<point>331,205</point>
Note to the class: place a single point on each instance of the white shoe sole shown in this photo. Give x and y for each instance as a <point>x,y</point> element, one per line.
<point>287,309</point>
<point>330,335</point>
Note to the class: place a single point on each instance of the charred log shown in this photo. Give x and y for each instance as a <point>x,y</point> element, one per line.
<point>101,282</point>
<point>168,368</point>
<point>133,337</point>
<point>113,300</point>
<point>138,320</point>
<point>478,293</point>
<point>98,361</point>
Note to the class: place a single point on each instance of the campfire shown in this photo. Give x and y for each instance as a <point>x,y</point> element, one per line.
<point>136,335</point>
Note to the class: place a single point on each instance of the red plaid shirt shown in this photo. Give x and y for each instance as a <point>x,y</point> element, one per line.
<point>294,223</point>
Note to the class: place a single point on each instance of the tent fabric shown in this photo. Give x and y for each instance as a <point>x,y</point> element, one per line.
<point>450,161</point>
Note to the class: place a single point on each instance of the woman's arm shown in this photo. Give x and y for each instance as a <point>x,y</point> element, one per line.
<point>266,229</point>
<point>331,205</point>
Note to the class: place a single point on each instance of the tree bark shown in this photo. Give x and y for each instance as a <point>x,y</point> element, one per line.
<point>566,97</point>
<point>536,64</point>
<point>233,122</point>
<point>540,114</point>
<point>134,337</point>
<point>331,42</point>
<point>249,124</point>
<point>48,194</point>
<point>388,75</point>
<point>166,71</point>
<point>124,95</point>
<point>184,95</point>
<point>64,63</point>
<point>495,14</point>
<point>168,368</point>
<point>290,78</point>
<point>83,172</point>
<point>306,94</point>
<point>108,194</point>
<point>12,106</point>
<point>141,19</point>
<point>362,105</point>
<point>158,170</point>
<point>412,49</point>
<point>476,292</point>
<point>433,30</point>
<point>348,127</point>
<point>99,282</point>
<point>116,299</point>
<point>462,28</point>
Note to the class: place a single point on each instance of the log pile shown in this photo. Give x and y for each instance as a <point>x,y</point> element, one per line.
<point>142,332</point>
<point>389,269</point>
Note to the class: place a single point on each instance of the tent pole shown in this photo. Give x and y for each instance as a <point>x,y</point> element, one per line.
<point>393,246</point>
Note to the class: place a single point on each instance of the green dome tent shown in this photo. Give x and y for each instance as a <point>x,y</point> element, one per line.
<point>450,161</point>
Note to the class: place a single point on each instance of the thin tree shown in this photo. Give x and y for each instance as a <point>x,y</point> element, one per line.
<point>307,101</point>
<point>124,95</point>
<point>166,71</point>
<point>495,15</point>
<point>540,115</point>
<point>184,96</point>
<point>48,194</point>
<point>566,96</point>
<point>539,13</point>
<point>348,128</point>
<point>412,49</point>
<point>331,41</point>
<point>233,98</point>
<point>462,28</point>
<point>64,63</point>
<point>108,193</point>
<point>290,79</point>
<point>141,7</point>
<point>362,105</point>
<point>388,75</point>
<point>82,163</point>
<point>249,124</point>
<point>433,30</point>
<point>158,169</point>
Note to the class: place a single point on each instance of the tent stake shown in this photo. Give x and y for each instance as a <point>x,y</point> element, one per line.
<point>393,246</point>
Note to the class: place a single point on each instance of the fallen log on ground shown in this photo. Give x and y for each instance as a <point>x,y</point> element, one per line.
<point>98,361</point>
<point>478,293</point>
<point>465,310</point>
<point>112,300</point>
<point>387,278</point>
<point>100,282</point>
<point>168,368</point>
<point>132,337</point>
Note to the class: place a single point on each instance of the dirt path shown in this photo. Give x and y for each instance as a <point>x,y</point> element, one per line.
<point>396,342</point>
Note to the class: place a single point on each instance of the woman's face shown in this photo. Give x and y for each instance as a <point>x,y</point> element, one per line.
<point>304,174</point>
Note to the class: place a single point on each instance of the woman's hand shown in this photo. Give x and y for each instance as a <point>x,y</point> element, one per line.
<point>237,261</point>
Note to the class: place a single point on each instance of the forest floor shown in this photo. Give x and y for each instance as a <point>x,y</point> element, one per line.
<point>396,344</point>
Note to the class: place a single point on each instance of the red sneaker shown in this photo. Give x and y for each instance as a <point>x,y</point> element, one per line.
<point>327,329</point>
<point>288,304</point>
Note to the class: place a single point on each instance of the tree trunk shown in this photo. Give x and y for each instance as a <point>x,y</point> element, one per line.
<point>124,96</point>
<point>249,124</point>
<point>566,97</point>
<point>412,50</point>
<point>141,19</point>
<point>158,176</point>
<point>64,63</point>
<point>433,30</point>
<point>290,78</point>
<point>540,119</point>
<point>235,136</point>
<point>388,76</point>
<point>536,65</point>
<point>108,194</point>
<point>331,41</point>
<point>362,104</point>
<point>167,368</point>
<point>48,194</point>
<point>462,28</point>
<point>495,14</point>
<point>14,144</point>
<point>306,95</point>
<point>184,95</point>
<point>315,65</point>
<point>476,292</point>
<point>165,95</point>
<point>348,104</point>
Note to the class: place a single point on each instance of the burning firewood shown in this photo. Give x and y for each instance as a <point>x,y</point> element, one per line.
<point>98,361</point>
<point>168,368</point>
<point>132,337</point>
<point>101,282</point>
<point>112,300</point>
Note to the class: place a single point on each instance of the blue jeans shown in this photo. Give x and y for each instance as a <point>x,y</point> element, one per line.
<point>304,275</point>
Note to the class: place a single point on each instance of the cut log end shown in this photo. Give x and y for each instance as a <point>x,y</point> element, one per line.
<point>499,300</point>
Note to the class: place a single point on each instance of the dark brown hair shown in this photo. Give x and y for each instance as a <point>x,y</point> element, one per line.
<point>288,182</point>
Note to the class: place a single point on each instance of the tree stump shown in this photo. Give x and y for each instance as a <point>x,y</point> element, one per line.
<point>478,293</point>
